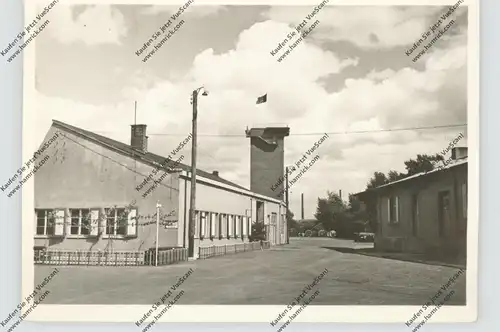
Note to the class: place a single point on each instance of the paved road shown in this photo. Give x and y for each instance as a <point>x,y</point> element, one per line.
<point>273,276</point>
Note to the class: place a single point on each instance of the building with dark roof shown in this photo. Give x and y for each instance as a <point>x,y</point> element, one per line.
<point>425,212</point>
<point>96,193</point>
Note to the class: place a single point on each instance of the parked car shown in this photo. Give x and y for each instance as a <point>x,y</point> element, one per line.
<point>332,234</point>
<point>364,237</point>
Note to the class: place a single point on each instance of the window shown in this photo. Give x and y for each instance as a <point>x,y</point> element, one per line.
<point>213,223</point>
<point>196,223</point>
<point>282,225</point>
<point>221,225</point>
<point>245,225</point>
<point>207,224</point>
<point>45,222</point>
<point>80,221</point>
<point>415,214</point>
<point>116,221</point>
<point>274,218</point>
<point>230,225</point>
<point>236,226</point>
<point>203,222</point>
<point>393,209</point>
<point>464,200</point>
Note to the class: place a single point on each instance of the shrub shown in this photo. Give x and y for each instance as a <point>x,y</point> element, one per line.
<point>258,232</point>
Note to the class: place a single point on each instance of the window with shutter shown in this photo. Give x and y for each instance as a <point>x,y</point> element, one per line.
<point>45,222</point>
<point>117,221</point>
<point>80,222</point>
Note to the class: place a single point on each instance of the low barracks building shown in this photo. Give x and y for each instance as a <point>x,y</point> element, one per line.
<point>425,212</point>
<point>86,198</point>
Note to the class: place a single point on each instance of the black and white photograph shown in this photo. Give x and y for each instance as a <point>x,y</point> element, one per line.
<point>287,158</point>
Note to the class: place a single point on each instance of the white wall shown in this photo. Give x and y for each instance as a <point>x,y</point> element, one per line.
<point>214,197</point>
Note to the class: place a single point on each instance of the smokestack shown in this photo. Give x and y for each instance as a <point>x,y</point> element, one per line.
<point>138,138</point>
<point>302,206</point>
<point>340,193</point>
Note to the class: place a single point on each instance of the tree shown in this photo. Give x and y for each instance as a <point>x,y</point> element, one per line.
<point>377,180</point>
<point>329,211</point>
<point>423,163</point>
<point>258,232</point>
<point>354,204</point>
<point>395,176</point>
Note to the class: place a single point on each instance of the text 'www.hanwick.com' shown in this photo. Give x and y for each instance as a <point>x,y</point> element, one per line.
<point>164,33</point>
<point>32,30</point>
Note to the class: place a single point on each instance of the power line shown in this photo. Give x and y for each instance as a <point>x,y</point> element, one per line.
<point>317,134</point>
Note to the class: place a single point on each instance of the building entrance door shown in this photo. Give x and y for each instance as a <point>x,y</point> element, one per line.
<point>443,212</point>
<point>272,235</point>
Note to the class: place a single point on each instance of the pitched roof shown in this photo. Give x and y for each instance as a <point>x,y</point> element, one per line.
<point>128,150</point>
<point>451,164</point>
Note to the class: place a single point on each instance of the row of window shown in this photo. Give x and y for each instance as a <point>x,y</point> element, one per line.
<point>86,222</point>
<point>122,222</point>
<point>220,225</point>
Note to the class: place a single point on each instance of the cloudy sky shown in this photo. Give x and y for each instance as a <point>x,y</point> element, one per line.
<point>351,74</point>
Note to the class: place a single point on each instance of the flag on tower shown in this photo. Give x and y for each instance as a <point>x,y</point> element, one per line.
<point>262,99</point>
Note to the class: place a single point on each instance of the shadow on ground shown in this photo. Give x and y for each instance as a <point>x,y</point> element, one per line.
<point>455,262</point>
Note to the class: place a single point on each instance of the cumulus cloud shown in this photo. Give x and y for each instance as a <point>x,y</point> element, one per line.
<point>432,93</point>
<point>194,11</point>
<point>368,27</point>
<point>97,24</point>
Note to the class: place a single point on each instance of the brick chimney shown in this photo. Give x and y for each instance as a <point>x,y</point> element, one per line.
<point>216,173</point>
<point>138,138</point>
<point>458,153</point>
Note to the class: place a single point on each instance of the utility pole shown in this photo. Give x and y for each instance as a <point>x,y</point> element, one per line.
<point>192,204</point>
<point>286,202</point>
<point>302,206</point>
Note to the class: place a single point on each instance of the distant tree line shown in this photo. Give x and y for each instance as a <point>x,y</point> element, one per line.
<point>347,218</point>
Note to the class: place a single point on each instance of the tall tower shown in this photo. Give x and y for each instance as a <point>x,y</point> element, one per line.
<point>267,160</point>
